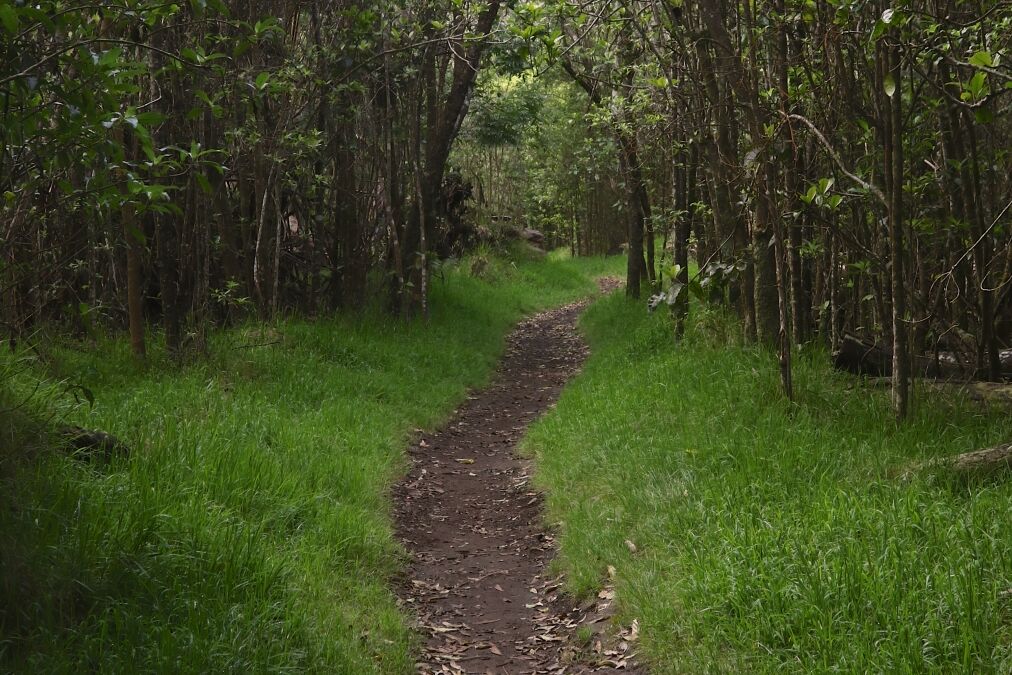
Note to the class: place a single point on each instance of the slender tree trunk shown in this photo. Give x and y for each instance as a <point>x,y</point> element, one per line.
<point>988,344</point>
<point>134,255</point>
<point>168,281</point>
<point>634,180</point>
<point>443,125</point>
<point>894,167</point>
<point>783,334</point>
<point>792,178</point>
<point>684,185</point>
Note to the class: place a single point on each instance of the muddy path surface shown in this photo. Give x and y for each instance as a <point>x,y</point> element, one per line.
<point>473,524</point>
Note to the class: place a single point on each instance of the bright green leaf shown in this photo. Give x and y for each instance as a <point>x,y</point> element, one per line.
<point>982,59</point>
<point>202,181</point>
<point>983,115</point>
<point>9,18</point>
<point>977,84</point>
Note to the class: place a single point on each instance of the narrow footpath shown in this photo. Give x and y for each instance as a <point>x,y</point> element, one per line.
<point>474,526</point>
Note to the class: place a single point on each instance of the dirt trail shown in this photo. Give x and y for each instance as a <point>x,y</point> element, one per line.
<point>473,525</point>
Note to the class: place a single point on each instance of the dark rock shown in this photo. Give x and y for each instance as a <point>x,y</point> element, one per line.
<point>861,357</point>
<point>532,236</point>
<point>92,444</point>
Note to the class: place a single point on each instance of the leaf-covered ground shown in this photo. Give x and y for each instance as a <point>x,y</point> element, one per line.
<point>474,527</point>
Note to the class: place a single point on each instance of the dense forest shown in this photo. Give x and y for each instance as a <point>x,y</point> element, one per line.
<point>834,168</point>
<point>829,182</point>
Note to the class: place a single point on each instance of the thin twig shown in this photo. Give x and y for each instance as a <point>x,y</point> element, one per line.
<point>839,162</point>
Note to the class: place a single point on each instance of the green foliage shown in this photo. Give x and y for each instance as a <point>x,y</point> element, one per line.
<point>534,154</point>
<point>818,194</point>
<point>773,537</point>
<point>71,76</point>
<point>504,112</point>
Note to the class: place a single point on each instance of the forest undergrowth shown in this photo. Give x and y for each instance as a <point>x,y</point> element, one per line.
<point>249,528</point>
<point>751,534</point>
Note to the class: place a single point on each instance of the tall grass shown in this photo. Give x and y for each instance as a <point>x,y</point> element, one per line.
<point>249,529</point>
<point>774,537</point>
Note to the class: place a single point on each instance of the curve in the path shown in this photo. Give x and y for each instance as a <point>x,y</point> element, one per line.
<point>473,525</point>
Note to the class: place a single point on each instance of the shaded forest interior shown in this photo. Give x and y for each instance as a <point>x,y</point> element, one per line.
<point>832,169</point>
<point>830,177</point>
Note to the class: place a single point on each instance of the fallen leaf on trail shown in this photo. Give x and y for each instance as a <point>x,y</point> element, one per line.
<point>607,594</point>
<point>465,460</point>
<point>631,546</point>
<point>499,588</point>
<point>495,650</point>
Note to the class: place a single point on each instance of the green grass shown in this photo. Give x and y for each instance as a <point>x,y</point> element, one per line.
<point>773,537</point>
<point>249,530</point>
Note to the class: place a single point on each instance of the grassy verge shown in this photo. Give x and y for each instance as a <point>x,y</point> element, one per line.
<point>249,530</point>
<point>773,537</point>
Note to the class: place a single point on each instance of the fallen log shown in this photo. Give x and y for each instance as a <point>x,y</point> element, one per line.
<point>861,356</point>
<point>978,463</point>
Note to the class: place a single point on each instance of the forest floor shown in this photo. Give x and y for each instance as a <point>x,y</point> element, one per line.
<point>478,580</point>
<point>249,529</point>
<point>745,533</point>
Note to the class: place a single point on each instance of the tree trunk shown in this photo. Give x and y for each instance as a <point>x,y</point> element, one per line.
<point>134,271</point>
<point>634,184</point>
<point>894,170</point>
<point>444,123</point>
<point>685,180</point>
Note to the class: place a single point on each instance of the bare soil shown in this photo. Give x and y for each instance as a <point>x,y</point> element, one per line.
<point>473,524</point>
